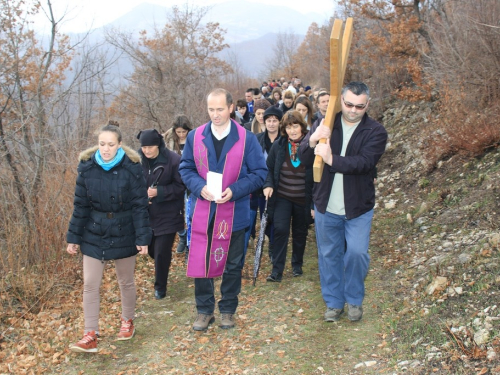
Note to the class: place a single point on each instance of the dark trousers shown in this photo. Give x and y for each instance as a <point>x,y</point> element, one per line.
<point>286,211</point>
<point>160,250</point>
<point>231,279</point>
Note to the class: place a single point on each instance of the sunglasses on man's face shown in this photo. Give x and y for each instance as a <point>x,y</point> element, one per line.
<point>358,106</point>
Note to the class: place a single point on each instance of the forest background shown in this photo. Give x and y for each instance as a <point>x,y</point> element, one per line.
<point>55,94</point>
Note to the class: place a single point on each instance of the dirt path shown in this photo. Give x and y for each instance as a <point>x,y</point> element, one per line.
<point>280,329</point>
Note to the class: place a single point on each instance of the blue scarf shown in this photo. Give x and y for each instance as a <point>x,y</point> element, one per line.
<point>107,165</point>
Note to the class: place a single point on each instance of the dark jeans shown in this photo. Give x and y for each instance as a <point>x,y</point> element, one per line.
<point>286,211</point>
<point>160,250</point>
<point>231,279</point>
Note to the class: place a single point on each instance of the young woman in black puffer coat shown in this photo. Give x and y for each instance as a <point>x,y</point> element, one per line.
<point>110,221</point>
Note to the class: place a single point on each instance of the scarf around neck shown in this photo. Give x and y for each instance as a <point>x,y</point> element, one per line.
<point>293,147</point>
<point>109,164</point>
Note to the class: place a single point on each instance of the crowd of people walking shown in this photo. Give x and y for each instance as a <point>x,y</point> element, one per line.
<point>207,184</point>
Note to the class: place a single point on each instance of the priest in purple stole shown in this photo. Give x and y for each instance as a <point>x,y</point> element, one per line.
<point>218,225</point>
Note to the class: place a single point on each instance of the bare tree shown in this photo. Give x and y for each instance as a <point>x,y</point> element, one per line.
<point>40,109</point>
<point>29,74</point>
<point>173,69</point>
<point>282,61</point>
<point>466,56</point>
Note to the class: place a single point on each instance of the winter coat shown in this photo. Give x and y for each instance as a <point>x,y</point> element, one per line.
<point>110,211</point>
<point>261,138</point>
<point>252,174</point>
<point>317,115</point>
<point>275,160</point>
<point>169,139</point>
<point>284,108</point>
<point>166,211</point>
<point>366,146</point>
<point>254,199</point>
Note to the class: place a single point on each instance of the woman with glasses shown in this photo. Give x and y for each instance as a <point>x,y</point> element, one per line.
<point>288,188</point>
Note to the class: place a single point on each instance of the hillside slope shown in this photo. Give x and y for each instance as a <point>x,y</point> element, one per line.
<point>431,304</point>
<point>438,229</point>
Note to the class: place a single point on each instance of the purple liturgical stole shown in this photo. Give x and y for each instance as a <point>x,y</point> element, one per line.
<point>223,224</point>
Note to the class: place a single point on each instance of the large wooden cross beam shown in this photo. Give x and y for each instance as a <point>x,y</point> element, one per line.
<point>340,43</point>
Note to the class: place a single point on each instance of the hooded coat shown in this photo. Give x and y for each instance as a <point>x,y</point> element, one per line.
<point>166,211</point>
<point>110,211</point>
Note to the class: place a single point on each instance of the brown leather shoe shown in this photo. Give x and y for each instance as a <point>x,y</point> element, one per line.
<point>203,321</point>
<point>226,321</point>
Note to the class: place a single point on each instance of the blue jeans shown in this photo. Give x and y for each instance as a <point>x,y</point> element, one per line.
<point>343,258</point>
<point>231,280</point>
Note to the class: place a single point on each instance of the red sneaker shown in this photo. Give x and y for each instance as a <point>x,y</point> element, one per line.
<point>88,344</point>
<point>127,330</point>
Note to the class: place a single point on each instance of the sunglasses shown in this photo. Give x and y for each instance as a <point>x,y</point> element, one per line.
<point>358,106</point>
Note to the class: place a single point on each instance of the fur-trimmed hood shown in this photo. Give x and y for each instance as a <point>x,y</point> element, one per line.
<point>132,154</point>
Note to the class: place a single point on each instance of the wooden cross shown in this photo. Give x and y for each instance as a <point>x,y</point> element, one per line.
<point>340,43</point>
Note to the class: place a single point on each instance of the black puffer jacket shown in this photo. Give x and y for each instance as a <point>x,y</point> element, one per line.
<point>275,161</point>
<point>110,214</point>
<point>166,211</point>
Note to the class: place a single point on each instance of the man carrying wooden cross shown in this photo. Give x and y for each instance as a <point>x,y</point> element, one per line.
<point>344,199</point>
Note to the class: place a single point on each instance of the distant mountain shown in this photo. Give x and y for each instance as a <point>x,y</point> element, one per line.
<point>254,54</point>
<point>251,29</point>
<point>242,20</point>
<point>142,17</point>
<point>245,20</point>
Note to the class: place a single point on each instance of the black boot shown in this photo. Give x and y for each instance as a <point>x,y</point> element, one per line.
<point>181,247</point>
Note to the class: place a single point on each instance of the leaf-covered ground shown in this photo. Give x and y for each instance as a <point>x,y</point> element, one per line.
<point>431,301</point>
<point>280,329</point>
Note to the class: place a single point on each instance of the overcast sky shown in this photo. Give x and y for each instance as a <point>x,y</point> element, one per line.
<point>83,14</point>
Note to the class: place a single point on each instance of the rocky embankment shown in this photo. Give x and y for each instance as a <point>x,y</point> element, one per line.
<point>438,226</point>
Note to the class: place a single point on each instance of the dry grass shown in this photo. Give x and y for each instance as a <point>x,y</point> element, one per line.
<point>280,329</point>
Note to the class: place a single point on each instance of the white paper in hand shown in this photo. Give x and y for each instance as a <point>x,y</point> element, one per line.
<point>214,184</point>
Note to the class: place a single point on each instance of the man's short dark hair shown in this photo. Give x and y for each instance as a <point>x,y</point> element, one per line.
<point>250,90</point>
<point>322,93</point>
<point>227,94</point>
<point>241,103</point>
<point>256,91</point>
<point>357,88</point>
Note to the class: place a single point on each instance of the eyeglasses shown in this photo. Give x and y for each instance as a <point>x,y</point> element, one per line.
<point>358,106</point>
